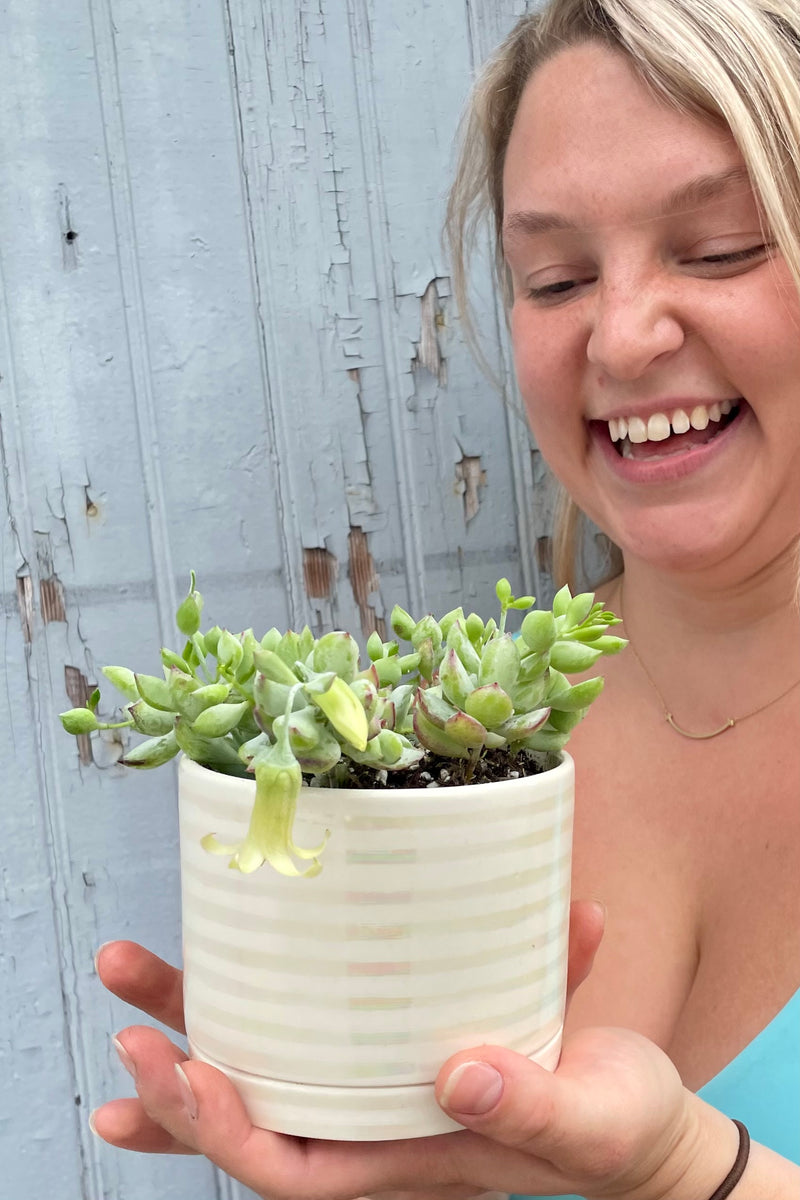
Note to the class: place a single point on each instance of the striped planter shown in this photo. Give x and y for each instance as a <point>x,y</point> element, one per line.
<point>439,922</point>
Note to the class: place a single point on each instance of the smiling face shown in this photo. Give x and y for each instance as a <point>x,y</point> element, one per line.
<point>656,331</point>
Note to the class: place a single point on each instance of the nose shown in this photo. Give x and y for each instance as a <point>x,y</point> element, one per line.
<point>632,328</point>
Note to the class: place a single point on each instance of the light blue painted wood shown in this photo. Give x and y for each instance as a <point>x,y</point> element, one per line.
<point>226,341</point>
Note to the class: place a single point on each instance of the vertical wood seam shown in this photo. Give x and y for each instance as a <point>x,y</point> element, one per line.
<point>51,800</point>
<point>134,315</point>
<point>272,385</point>
<point>378,222</point>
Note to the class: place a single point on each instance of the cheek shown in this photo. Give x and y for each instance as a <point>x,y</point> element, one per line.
<point>548,372</point>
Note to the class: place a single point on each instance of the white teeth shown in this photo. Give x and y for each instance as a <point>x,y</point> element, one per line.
<point>637,430</point>
<point>658,429</point>
<point>680,422</point>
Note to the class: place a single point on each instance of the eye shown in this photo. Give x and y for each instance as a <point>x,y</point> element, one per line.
<point>716,263</point>
<point>552,293</point>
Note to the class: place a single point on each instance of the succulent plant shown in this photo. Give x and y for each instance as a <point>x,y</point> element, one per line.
<point>289,705</point>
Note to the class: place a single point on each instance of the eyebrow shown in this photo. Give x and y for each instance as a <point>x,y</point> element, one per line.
<point>693,194</point>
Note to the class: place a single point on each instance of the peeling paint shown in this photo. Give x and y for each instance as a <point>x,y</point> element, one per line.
<point>470,476</point>
<point>51,600</point>
<point>320,570</point>
<point>428,352</point>
<point>364,581</point>
<point>25,605</point>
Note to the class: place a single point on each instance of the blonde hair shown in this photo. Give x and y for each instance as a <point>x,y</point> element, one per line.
<point>732,62</point>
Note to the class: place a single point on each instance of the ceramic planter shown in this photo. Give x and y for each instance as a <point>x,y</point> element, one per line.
<point>439,922</point>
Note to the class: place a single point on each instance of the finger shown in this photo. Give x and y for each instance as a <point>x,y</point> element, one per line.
<point>587,920</point>
<point>143,980</point>
<point>125,1124</point>
<point>575,1125</point>
<point>200,1109</point>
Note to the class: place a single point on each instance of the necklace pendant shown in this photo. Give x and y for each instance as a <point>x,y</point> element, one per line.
<point>699,737</point>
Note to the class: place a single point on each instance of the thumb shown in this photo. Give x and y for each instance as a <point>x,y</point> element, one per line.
<point>613,1097</point>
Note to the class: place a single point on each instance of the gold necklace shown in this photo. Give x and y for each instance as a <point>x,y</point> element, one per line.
<point>699,737</point>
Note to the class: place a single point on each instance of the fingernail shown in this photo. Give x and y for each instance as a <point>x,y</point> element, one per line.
<point>187,1095</point>
<point>600,906</point>
<point>124,1057</point>
<point>92,1125</point>
<point>97,954</point>
<point>473,1089</point>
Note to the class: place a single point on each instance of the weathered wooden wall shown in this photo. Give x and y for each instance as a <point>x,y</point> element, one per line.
<point>227,342</point>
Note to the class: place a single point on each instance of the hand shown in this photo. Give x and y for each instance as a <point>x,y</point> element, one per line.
<point>613,1121</point>
<point>152,985</point>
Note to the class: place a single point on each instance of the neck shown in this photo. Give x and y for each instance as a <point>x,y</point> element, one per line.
<point>712,608</point>
<point>712,649</point>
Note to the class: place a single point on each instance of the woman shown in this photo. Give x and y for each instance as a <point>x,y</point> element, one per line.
<point>641,165</point>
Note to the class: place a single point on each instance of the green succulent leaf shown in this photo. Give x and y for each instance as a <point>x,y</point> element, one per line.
<point>573,657</point>
<point>449,619</point>
<point>561,601</point>
<point>170,659</point>
<point>579,696</point>
<point>500,663</point>
<point>219,719</point>
<point>520,727</point>
<point>435,739</point>
<point>466,731</point>
<point>78,720</point>
<point>503,591</point>
<point>270,664</point>
<point>156,692</point>
<point>490,705</point>
<point>337,652</point>
<point>344,711</point>
<point>565,722</point>
<point>547,740</point>
<point>579,609</point>
<point>389,671</point>
<point>123,680</point>
<point>436,708</point>
<point>538,631</point>
<point>217,754</point>
<point>454,678</point>
<point>152,753</point>
<point>189,611</point>
<point>151,721</point>
<point>230,651</point>
<point>374,646</point>
<point>610,644</point>
<point>402,623</point>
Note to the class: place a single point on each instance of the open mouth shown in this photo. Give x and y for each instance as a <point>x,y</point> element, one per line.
<point>665,434</point>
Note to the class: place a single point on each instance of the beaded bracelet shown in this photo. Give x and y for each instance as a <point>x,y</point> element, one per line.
<point>737,1170</point>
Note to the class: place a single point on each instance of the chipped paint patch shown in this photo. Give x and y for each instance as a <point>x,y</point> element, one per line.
<point>428,353</point>
<point>320,569</point>
<point>470,477</point>
<point>25,605</point>
<point>51,600</point>
<point>364,581</point>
